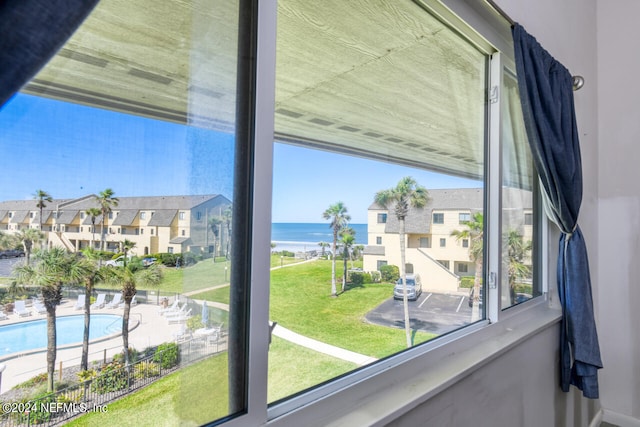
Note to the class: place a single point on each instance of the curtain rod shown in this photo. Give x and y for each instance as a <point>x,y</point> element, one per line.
<point>578,81</point>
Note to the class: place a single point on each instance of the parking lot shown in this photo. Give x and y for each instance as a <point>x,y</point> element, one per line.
<point>6,265</point>
<point>432,312</point>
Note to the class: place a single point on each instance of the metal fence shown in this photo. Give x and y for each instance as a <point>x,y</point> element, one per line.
<point>114,382</point>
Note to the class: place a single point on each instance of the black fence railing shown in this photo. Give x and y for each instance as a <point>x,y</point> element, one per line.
<point>113,382</point>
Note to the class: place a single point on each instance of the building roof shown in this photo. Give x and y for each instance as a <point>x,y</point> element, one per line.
<point>179,240</point>
<point>163,218</point>
<point>373,250</point>
<point>18,217</point>
<point>125,217</point>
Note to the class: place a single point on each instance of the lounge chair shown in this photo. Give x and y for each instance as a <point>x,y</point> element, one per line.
<point>171,309</point>
<point>3,315</point>
<point>99,301</point>
<point>178,312</point>
<point>80,302</point>
<point>39,308</point>
<point>117,298</point>
<point>179,318</point>
<point>20,309</point>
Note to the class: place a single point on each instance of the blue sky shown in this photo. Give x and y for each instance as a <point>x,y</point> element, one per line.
<point>70,151</point>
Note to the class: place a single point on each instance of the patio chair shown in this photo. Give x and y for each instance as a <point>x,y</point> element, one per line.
<point>115,302</point>
<point>177,312</point>
<point>179,318</point>
<point>170,309</point>
<point>20,309</point>
<point>39,308</point>
<point>80,302</point>
<point>3,315</point>
<point>99,301</point>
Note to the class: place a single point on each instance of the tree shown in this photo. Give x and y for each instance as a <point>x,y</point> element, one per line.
<point>475,234</point>
<point>517,251</point>
<point>27,237</point>
<point>52,269</point>
<point>130,277</point>
<point>107,202</point>
<point>126,245</point>
<point>323,245</point>
<point>347,239</point>
<point>42,196</point>
<point>215,223</point>
<point>93,273</point>
<point>227,217</point>
<point>93,214</point>
<point>403,196</point>
<point>337,214</point>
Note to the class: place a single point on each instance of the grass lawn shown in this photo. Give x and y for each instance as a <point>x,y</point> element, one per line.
<point>301,301</point>
<point>198,394</point>
<point>218,295</point>
<point>277,260</point>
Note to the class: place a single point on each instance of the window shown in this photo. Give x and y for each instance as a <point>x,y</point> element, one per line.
<point>82,215</point>
<point>362,98</point>
<point>528,219</point>
<point>31,215</point>
<point>143,215</point>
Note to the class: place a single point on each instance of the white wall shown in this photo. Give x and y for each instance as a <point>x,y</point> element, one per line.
<point>521,387</point>
<point>618,292</point>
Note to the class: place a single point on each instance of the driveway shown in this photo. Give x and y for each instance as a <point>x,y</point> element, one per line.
<point>432,312</point>
<point>6,265</point>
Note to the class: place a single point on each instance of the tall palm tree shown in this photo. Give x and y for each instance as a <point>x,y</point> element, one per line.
<point>474,232</point>
<point>42,196</point>
<point>408,193</point>
<point>337,214</point>
<point>129,277</point>
<point>347,239</point>
<point>93,273</point>
<point>107,202</point>
<point>27,237</point>
<point>323,245</point>
<point>227,218</point>
<point>215,223</point>
<point>52,269</point>
<point>93,214</point>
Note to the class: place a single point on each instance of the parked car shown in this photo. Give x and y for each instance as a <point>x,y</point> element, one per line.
<point>11,253</point>
<point>414,287</point>
<point>117,262</point>
<point>146,262</point>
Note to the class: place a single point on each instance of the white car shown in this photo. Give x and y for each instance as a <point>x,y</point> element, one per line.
<point>118,262</point>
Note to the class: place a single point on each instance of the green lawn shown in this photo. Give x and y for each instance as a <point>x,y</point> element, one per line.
<point>218,295</point>
<point>199,393</point>
<point>301,300</point>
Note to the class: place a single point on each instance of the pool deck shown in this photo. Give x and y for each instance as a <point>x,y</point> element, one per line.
<point>153,329</point>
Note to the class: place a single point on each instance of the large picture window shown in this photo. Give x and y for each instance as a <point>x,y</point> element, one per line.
<point>331,195</point>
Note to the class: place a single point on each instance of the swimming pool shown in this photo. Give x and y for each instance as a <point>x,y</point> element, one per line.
<point>31,335</point>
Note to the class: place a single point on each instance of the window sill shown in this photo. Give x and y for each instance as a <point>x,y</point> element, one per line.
<point>384,396</point>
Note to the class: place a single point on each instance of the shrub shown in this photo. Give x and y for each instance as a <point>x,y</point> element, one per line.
<point>194,322</point>
<point>145,370</point>
<point>168,355</point>
<point>37,416</point>
<point>112,377</point>
<point>189,258</point>
<point>87,375</point>
<point>467,281</point>
<point>133,356</point>
<point>376,277</point>
<point>389,273</point>
<point>357,278</point>
<point>34,381</point>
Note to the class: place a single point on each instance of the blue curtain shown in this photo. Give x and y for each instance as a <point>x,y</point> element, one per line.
<point>31,32</point>
<point>546,93</point>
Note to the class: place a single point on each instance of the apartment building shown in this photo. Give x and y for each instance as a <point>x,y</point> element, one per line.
<point>431,248</point>
<point>173,224</point>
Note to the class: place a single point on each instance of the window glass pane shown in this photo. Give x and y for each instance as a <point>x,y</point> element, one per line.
<point>518,227</point>
<point>136,111</point>
<point>360,105</point>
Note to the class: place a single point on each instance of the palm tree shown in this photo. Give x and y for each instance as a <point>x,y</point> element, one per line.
<point>215,222</point>
<point>93,214</point>
<point>323,245</point>
<point>227,217</point>
<point>347,239</point>
<point>93,273</point>
<point>27,237</point>
<point>126,246</point>
<point>107,202</point>
<point>53,268</point>
<point>42,196</point>
<point>475,234</point>
<point>408,193</point>
<point>517,251</point>
<point>337,213</point>
<point>129,277</point>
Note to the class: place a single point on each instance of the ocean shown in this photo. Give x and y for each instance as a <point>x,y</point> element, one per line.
<point>299,237</point>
